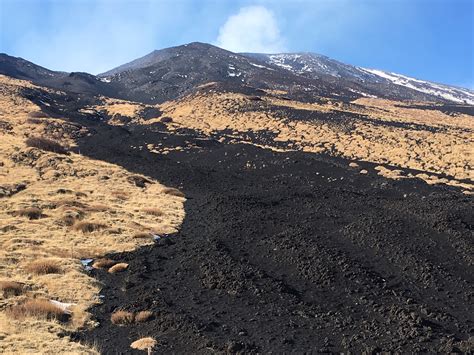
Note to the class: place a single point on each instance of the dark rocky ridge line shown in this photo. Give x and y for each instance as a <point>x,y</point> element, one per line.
<point>173,72</point>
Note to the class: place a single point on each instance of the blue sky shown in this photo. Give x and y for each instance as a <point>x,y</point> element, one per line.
<point>426,39</point>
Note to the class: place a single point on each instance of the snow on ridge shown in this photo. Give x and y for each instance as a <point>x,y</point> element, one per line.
<point>260,66</point>
<point>449,93</point>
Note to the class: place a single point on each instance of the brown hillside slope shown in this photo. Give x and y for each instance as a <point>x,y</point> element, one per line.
<point>56,209</point>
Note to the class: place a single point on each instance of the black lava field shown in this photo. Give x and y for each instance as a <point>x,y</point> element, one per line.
<point>288,252</point>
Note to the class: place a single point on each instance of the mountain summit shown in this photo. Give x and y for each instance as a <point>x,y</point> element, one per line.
<point>169,73</point>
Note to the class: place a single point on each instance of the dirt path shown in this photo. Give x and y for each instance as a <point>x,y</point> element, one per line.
<point>290,252</point>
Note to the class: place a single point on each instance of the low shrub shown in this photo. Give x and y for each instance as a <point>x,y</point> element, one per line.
<point>122,317</point>
<point>42,267</point>
<point>88,227</point>
<point>103,263</point>
<point>30,213</point>
<point>118,268</point>
<point>11,288</point>
<point>46,144</point>
<point>37,308</point>
<point>173,192</point>
<point>143,316</point>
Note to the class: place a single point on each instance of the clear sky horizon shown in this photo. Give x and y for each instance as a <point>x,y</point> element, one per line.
<point>426,39</point>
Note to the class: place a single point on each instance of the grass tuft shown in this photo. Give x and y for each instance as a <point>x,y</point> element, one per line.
<point>88,227</point>
<point>103,263</point>
<point>11,288</point>
<point>118,268</point>
<point>46,144</point>
<point>122,317</point>
<point>142,235</point>
<point>37,308</point>
<point>143,316</point>
<point>42,267</point>
<point>30,213</point>
<point>173,192</point>
<point>144,344</point>
<point>154,211</point>
<point>37,114</point>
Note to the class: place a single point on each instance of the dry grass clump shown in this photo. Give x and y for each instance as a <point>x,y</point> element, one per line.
<point>122,317</point>
<point>30,213</point>
<point>43,267</point>
<point>37,308</point>
<point>97,208</point>
<point>11,288</point>
<point>103,263</point>
<point>144,344</point>
<point>71,217</point>
<point>173,192</point>
<point>31,120</point>
<point>118,268</point>
<point>139,181</point>
<point>143,316</point>
<point>120,195</point>
<point>88,227</point>
<point>142,235</point>
<point>37,114</point>
<point>153,211</point>
<point>69,203</point>
<point>46,144</point>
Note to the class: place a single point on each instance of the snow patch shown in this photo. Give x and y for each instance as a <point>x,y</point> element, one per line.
<point>443,91</point>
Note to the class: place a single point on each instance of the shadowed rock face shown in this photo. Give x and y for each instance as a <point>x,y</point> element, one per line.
<point>83,83</point>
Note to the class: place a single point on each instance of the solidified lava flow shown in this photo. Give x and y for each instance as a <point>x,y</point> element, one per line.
<point>291,252</point>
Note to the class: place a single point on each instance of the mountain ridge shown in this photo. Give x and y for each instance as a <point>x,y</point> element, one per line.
<point>169,73</point>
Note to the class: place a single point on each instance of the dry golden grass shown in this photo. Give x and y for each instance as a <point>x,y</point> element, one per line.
<point>439,143</point>
<point>89,227</point>
<point>11,288</point>
<point>144,344</point>
<point>143,316</point>
<point>42,267</point>
<point>46,144</point>
<point>120,267</point>
<point>122,317</point>
<point>37,114</point>
<point>173,192</point>
<point>37,308</point>
<point>67,188</point>
<point>103,263</point>
<point>30,213</point>
<point>143,235</point>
